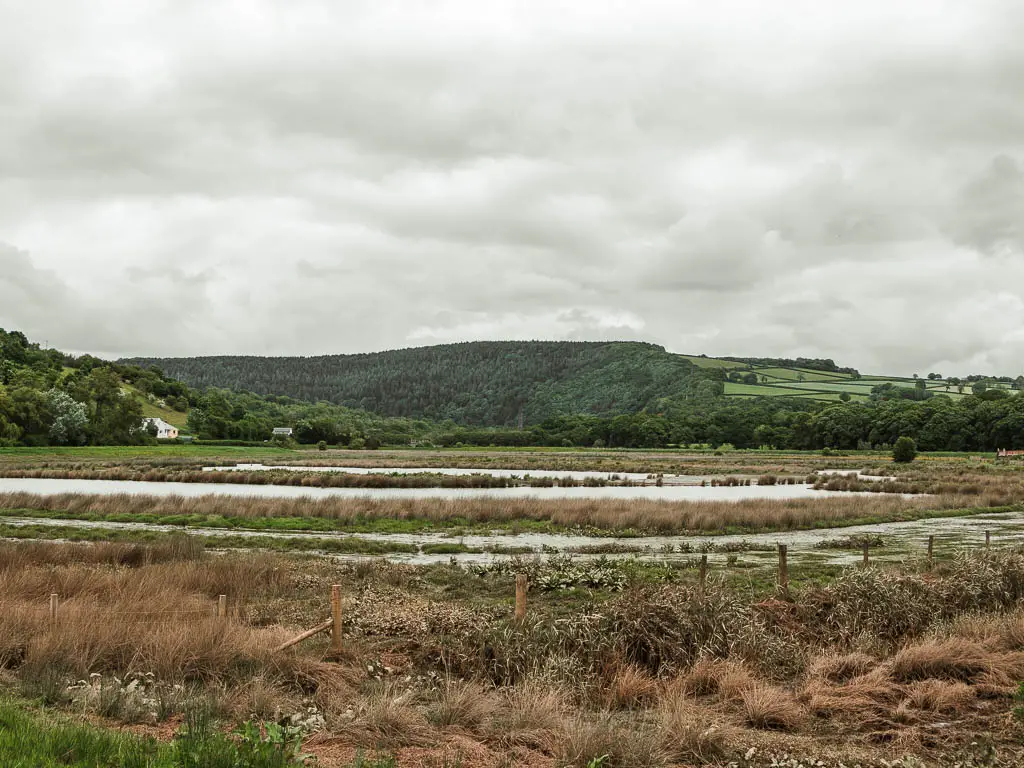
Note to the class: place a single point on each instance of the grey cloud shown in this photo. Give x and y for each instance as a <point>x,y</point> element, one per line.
<point>990,209</point>
<point>831,179</point>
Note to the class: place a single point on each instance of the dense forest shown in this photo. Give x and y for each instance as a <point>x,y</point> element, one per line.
<point>474,383</point>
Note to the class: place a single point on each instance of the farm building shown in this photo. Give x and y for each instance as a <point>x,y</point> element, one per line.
<point>284,431</point>
<point>164,431</point>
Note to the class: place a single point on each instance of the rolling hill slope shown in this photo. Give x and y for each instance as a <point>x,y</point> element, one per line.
<point>499,383</point>
<point>474,383</point>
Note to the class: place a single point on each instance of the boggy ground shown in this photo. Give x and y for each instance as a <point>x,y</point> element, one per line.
<point>614,665</point>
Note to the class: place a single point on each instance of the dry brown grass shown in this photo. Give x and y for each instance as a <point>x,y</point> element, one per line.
<point>839,668</point>
<point>691,732</point>
<point>629,688</point>
<point>263,698</point>
<point>531,715</point>
<point>608,514</point>
<point>717,676</point>
<point>957,659</point>
<point>156,618</point>
<point>385,719</point>
<point>622,744</point>
<point>462,705</point>
<point>771,708</point>
<point>939,696</point>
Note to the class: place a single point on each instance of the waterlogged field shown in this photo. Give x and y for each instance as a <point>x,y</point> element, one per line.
<point>657,632</point>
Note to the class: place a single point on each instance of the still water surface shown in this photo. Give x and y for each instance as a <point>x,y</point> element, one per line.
<point>48,487</point>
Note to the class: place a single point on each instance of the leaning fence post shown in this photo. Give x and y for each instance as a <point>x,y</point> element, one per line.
<point>520,598</point>
<point>336,618</point>
<point>53,607</point>
<point>222,606</point>
<point>703,573</point>
<point>867,555</point>
<point>783,571</point>
<point>931,549</point>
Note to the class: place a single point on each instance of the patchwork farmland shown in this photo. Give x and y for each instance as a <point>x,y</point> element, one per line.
<point>821,386</point>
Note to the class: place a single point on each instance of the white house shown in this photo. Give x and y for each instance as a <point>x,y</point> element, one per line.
<point>286,431</point>
<point>164,431</point>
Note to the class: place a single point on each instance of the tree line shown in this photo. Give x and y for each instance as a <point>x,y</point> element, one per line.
<point>612,395</point>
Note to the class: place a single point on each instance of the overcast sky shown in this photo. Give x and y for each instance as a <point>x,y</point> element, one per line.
<point>837,179</point>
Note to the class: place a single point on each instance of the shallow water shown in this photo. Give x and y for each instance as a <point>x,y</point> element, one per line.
<point>48,487</point>
<point>901,539</point>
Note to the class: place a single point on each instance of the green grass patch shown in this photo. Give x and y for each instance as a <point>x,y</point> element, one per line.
<point>111,452</point>
<point>37,739</point>
<point>383,525</point>
<point>348,545</point>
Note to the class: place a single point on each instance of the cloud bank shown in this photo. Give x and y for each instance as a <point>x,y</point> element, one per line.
<point>311,177</point>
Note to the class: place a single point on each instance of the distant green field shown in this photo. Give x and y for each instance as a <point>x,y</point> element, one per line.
<point>711,362</point>
<point>150,410</point>
<point>795,374</point>
<point>823,386</point>
<point>767,390</point>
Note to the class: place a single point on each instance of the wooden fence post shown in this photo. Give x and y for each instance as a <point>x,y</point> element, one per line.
<point>931,550</point>
<point>53,607</point>
<point>867,555</point>
<point>703,574</point>
<point>520,598</point>
<point>222,606</point>
<point>783,571</point>
<point>988,539</point>
<point>336,618</point>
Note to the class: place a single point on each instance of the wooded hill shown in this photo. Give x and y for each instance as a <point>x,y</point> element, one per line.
<point>473,383</point>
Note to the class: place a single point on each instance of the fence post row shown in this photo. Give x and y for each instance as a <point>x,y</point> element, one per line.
<point>336,618</point>
<point>521,588</point>
<point>783,570</point>
<point>520,598</point>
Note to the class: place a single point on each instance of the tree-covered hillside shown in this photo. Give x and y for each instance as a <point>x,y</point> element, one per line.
<point>473,383</point>
<point>50,398</point>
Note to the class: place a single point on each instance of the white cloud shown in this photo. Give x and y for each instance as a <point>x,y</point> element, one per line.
<point>306,177</point>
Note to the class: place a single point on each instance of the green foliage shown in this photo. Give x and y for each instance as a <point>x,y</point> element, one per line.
<point>272,742</point>
<point>564,394</point>
<point>49,398</point>
<point>477,383</point>
<point>905,450</point>
<point>31,740</point>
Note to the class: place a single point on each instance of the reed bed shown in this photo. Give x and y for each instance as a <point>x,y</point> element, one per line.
<point>655,676</point>
<point>641,515</point>
<point>998,487</point>
<point>309,479</point>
